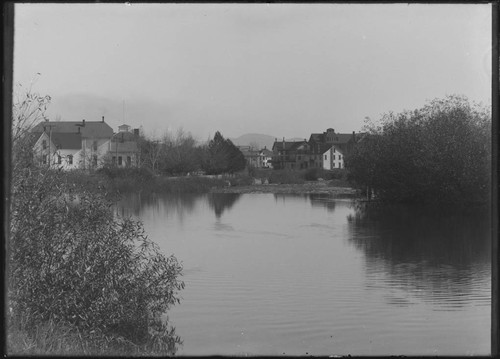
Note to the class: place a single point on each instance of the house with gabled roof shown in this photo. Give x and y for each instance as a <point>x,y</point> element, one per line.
<point>320,143</point>
<point>266,158</point>
<point>293,155</point>
<point>72,144</point>
<point>333,158</point>
<point>124,148</point>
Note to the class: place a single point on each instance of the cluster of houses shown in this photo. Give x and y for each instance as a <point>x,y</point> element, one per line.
<point>323,150</point>
<point>84,144</point>
<point>91,144</point>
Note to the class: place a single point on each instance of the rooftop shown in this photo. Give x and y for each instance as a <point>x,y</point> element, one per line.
<point>88,129</point>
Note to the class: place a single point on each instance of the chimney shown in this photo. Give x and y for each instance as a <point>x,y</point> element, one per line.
<point>83,122</point>
<point>354,136</point>
<point>136,132</point>
<point>102,119</point>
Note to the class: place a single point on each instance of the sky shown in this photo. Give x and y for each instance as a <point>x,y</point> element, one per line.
<point>285,70</point>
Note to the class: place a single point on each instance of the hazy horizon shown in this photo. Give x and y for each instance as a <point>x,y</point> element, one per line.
<point>284,70</point>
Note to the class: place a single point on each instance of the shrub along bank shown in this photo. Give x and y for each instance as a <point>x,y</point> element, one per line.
<point>440,153</point>
<point>81,280</point>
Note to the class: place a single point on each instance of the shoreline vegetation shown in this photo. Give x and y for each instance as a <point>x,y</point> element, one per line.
<point>133,180</point>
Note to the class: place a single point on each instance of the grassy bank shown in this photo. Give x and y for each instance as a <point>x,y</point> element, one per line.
<point>141,180</point>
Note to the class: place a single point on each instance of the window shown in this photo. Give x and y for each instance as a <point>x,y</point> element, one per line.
<point>59,159</point>
<point>44,144</point>
<point>119,160</point>
<point>114,160</point>
<point>70,159</point>
<point>94,145</point>
<point>326,157</point>
<point>44,159</point>
<point>129,161</point>
<point>94,160</point>
<point>334,150</point>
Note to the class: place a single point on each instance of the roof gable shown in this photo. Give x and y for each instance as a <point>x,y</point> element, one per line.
<point>337,150</point>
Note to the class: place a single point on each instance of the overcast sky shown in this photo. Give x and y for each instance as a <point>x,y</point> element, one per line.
<point>277,69</point>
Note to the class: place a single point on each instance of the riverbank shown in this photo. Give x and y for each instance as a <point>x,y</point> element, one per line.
<point>312,187</point>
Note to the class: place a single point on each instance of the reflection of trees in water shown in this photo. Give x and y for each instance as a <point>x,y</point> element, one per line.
<point>325,200</point>
<point>428,251</point>
<point>219,202</point>
<point>135,203</point>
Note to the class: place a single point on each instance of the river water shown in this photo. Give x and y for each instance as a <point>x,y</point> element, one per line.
<point>288,274</point>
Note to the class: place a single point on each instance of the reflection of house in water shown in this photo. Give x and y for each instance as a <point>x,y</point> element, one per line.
<point>219,202</point>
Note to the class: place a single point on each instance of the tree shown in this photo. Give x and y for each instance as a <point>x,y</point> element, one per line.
<point>222,156</point>
<point>180,155</point>
<point>439,153</point>
<point>150,152</point>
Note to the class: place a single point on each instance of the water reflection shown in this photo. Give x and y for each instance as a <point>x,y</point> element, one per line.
<point>219,202</point>
<point>163,205</point>
<point>427,252</point>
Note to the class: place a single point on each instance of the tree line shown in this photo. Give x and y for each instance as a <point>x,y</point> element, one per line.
<point>180,154</point>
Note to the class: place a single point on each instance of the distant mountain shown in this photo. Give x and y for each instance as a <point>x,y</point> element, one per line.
<point>251,139</point>
<point>258,139</point>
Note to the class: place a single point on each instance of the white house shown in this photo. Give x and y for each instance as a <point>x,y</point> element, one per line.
<point>266,158</point>
<point>72,144</point>
<point>333,158</point>
<point>59,150</point>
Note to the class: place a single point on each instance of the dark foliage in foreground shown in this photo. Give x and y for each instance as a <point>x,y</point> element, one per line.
<point>73,261</point>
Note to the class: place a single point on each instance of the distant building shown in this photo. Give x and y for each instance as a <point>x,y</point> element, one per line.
<point>266,158</point>
<point>333,159</point>
<point>84,144</point>
<point>305,154</point>
<point>322,142</point>
<point>291,155</point>
<point>72,144</point>
<point>124,149</point>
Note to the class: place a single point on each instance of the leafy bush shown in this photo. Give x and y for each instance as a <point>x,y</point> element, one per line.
<point>71,260</point>
<point>311,174</point>
<point>439,153</point>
